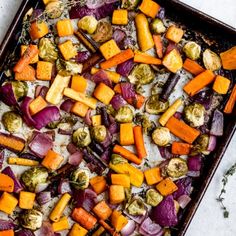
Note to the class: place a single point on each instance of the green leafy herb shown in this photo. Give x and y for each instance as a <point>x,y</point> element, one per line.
<point>230,172</point>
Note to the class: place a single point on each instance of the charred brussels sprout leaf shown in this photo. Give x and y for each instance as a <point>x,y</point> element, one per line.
<point>67,68</point>
<point>117,159</point>
<point>47,50</point>
<point>201,145</point>
<point>130,4</point>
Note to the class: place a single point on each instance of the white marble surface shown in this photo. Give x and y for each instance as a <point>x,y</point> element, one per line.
<point>208,219</point>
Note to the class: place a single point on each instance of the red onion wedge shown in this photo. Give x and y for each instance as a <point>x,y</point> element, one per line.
<point>75,158</point>
<point>217,125</point>
<point>194,163</point>
<point>64,186</point>
<point>125,68</point>
<point>7,94</point>
<point>129,228</point>
<point>212,143</point>
<point>183,201</point>
<point>67,105</point>
<point>44,197</point>
<point>6,225</point>
<point>117,101</point>
<point>150,227</point>
<point>41,187</point>
<point>26,113</point>
<point>127,90</point>
<point>24,232</point>
<point>193,174</point>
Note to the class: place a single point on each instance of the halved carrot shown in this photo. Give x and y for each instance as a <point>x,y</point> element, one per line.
<point>158,45</point>
<point>139,142</point>
<point>146,59</point>
<point>192,66</point>
<point>179,148</point>
<point>231,102</point>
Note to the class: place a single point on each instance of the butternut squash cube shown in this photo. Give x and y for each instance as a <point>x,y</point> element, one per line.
<point>46,1</point>
<point>23,49</point>
<point>38,30</point>
<point>173,61</point>
<point>65,28</point>
<point>149,8</point>
<point>67,49</point>
<point>109,49</point>
<point>118,221</point>
<point>98,184</point>
<point>103,93</point>
<point>116,194</point>
<point>96,120</point>
<point>62,224</point>
<point>26,200</point>
<point>120,17</point>
<point>112,75</point>
<point>166,187</point>
<point>121,179</point>
<point>221,84</point>
<point>78,230</point>
<point>8,203</point>
<point>79,83</point>
<point>174,34</point>
<point>37,105</point>
<point>126,134</point>
<point>153,175</point>
<point>44,70</point>
<point>52,160</point>
<point>79,109</point>
<point>102,210</point>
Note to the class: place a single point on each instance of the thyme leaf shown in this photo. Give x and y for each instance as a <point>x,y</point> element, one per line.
<point>230,172</point>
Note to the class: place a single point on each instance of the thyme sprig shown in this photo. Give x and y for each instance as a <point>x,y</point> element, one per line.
<point>230,172</point>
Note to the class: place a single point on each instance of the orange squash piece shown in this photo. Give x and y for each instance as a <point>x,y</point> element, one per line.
<point>149,8</point>
<point>153,175</point>
<point>6,183</point>
<point>64,28</point>
<point>126,134</point>
<point>118,221</point>
<point>228,59</point>
<point>79,83</point>
<point>166,187</point>
<point>26,200</point>
<point>44,70</point>
<point>98,184</point>
<point>116,194</point>
<point>37,105</point>
<point>174,34</point>
<point>8,203</point>
<point>221,85</point>
<point>38,29</point>
<point>102,210</point>
<point>52,160</point>
<point>103,93</point>
<point>9,232</point>
<point>77,230</point>
<point>79,109</point>
<point>28,74</point>
<point>24,48</point>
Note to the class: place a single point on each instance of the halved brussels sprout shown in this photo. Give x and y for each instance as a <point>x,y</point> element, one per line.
<point>142,74</point>
<point>88,24</point>
<point>47,50</point>
<point>153,198</point>
<point>67,68</point>
<point>20,89</point>
<point>54,9</point>
<point>99,133</point>
<point>194,114</point>
<point>157,26</point>
<point>201,145</point>
<point>103,32</point>
<point>81,137</point>
<point>161,136</point>
<point>31,219</point>
<point>80,179</point>
<point>12,121</point>
<point>211,60</point>
<point>136,207</point>
<point>124,115</point>
<point>155,106</point>
<point>117,159</point>
<point>192,50</point>
<point>130,4</point>
<point>177,167</point>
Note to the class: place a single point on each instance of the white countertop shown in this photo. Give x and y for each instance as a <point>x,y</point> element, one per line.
<point>208,219</point>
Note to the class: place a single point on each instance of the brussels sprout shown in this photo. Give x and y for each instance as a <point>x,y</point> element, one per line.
<point>31,219</point>
<point>88,24</point>
<point>153,198</point>
<point>117,159</point>
<point>211,60</point>
<point>103,32</point>
<point>12,121</point>
<point>157,26</point>
<point>47,50</point>
<point>161,136</point>
<point>155,106</point>
<point>34,176</point>
<point>130,4</point>
<point>142,74</point>
<point>176,167</point>
<point>20,89</point>
<point>201,145</point>
<point>81,137</point>
<point>80,178</point>
<point>67,68</point>
<point>194,114</point>
<point>136,207</point>
<point>54,9</point>
<point>145,122</point>
<point>99,133</point>
<point>124,115</point>
<point>192,50</point>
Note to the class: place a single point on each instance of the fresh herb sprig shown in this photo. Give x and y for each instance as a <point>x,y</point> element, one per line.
<point>230,172</point>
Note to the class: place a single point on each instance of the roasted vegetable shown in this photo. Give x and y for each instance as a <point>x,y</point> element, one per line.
<point>124,115</point>
<point>147,124</point>
<point>88,24</point>
<point>31,219</point>
<point>155,106</point>
<point>176,167</point>
<point>99,133</point>
<point>173,61</point>
<point>34,176</point>
<point>211,60</point>
<point>153,198</point>
<point>192,50</point>
<point>67,68</point>
<point>161,136</point>
<point>54,9</point>
<point>103,32</point>
<point>142,74</point>
<point>81,137</point>
<point>194,114</point>
<point>80,178</point>
<point>228,59</point>
<point>200,145</point>
<point>11,121</point>
<point>136,207</point>
<point>157,26</point>
<point>47,50</point>
<point>129,4</point>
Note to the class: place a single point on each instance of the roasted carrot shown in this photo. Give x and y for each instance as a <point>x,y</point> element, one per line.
<point>179,148</point>
<point>6,183</point>
<point>231,102</point>
<point>199,82</point>
<point>127,154</point>
<point>192,66</point>
<point>117,59</point>
<point>84,218</point>
<point>108,228</point>
<point>158,45</point>
<point>138,101</point>
<point>26,58</point>
<point>140,57</point>
<point>27,74</point>
<point>139,142</point>
<point>182,130</point>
